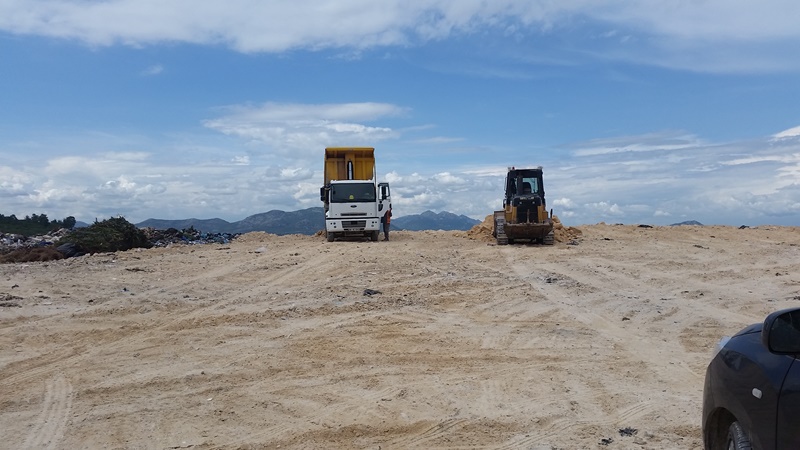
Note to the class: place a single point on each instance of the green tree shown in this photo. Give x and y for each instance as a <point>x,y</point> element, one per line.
<point>69,223</point>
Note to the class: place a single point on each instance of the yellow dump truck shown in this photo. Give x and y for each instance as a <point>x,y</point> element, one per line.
<point>354,200</point>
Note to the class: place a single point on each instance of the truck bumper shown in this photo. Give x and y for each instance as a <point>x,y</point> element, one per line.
<point>350,227</point>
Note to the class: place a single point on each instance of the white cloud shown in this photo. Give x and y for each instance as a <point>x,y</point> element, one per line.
<point>716,35</point>
<point>243,160</point>
<point>564,203</point>
<point>605,209</point>
<point>153,70</point>
<point>759,159</point>
<point>790,133</point>
<point>654,142</point>
<point>687,178</point>
<point>438,140</point>
<point>292,128</point>
<point>295,173</point>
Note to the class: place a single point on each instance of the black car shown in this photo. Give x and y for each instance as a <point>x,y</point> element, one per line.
<point>751,398</point>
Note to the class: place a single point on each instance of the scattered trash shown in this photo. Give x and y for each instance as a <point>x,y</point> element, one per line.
<point>606,441</point>
<point>110,235</point>
<point>163,238</point>
<point>371,292</point>
<point>628,431</point>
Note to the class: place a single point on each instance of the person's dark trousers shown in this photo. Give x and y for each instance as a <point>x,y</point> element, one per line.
<point>385,231</point>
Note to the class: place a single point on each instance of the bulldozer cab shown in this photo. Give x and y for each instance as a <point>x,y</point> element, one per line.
<point>524,184</point>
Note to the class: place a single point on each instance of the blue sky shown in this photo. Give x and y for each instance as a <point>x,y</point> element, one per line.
<point>639,111</point>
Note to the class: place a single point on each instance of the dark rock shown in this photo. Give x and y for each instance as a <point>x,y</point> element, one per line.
<point>69,250</point>
<point>688,222</point>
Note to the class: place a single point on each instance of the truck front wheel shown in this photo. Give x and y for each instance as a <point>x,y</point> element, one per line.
<point>374,236</point>
<point>330,236</point>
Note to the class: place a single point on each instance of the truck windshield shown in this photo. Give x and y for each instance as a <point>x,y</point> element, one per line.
<point>347,193</point>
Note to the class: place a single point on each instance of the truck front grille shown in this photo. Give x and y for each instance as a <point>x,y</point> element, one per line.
<point>351,224</point>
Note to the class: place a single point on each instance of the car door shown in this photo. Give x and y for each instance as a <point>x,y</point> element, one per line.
<point>788,423</point>
<point>753,380</point>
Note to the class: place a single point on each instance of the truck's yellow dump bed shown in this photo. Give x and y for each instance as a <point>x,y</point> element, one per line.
<point>359,161</point>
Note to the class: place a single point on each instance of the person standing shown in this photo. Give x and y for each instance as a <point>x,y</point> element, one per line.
<point>385,221</point>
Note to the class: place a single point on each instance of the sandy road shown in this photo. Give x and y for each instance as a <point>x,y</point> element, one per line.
<point>269,341</point>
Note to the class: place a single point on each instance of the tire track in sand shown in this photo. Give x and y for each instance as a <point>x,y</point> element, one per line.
<point>49,427</point>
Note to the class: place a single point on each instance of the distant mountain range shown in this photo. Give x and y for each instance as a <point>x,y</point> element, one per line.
<point>430,220</point>
<point>307,221</point>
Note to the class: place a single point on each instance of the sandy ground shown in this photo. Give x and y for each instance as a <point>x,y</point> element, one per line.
<point>270,342</point>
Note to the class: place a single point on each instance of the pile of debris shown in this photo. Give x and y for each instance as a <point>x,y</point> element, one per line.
<point>164,238</point>
<point>110,235</point>
<point>10,241</point>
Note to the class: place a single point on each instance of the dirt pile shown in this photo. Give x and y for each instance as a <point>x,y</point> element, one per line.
<point>483,231</point>
<point>564,233</point>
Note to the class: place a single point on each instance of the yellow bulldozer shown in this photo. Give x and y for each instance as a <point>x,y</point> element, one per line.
<point>524,215</point>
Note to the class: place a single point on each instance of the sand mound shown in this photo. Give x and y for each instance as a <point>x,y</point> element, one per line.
<point>483,231</point>
<point>565,234</point>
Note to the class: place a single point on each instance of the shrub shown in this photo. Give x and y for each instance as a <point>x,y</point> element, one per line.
<point>110,235</point>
